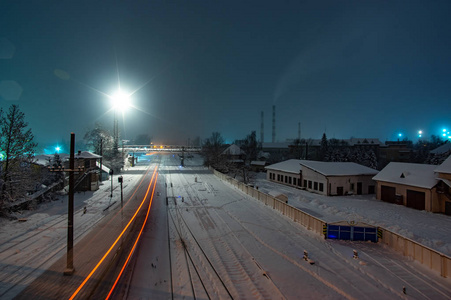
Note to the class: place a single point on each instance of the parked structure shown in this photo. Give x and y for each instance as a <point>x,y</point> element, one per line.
<point>326,178</point>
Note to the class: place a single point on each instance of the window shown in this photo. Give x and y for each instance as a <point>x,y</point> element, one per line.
<point>315,186</point>
<point>278,177</point>
<point>286,179</point>
<point>321,187</point>
<point>309,184</point>
<point>289,180</point>
<point>305,183</point>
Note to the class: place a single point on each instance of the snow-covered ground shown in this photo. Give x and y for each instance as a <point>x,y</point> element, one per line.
<point>274,242</point>
<point>429,229</point>
<point>29,245</point>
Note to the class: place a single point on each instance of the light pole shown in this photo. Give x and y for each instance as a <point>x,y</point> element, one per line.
<point>120,102</point>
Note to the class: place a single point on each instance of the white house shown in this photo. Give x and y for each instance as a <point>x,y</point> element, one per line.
<point>327,178</point>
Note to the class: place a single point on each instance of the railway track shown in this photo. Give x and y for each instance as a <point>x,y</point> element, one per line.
<point>18,270</point>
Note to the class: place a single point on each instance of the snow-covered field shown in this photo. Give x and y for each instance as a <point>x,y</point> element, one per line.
<point>430,229</point>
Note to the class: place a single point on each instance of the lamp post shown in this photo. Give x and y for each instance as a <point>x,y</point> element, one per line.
<point>120,102</point>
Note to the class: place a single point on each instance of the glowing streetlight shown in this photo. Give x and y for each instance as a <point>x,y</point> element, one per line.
<point>120,102</point>
<point>57,149</point>
<point>420,133</point>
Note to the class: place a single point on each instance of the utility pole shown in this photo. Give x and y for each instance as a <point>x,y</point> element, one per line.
<point>70,205</point>
<point>120,179</point>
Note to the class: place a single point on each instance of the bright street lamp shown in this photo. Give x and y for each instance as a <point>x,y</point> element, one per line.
<point>120,102</point>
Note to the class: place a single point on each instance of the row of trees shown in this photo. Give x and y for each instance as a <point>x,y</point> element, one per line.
<point>214,146</point>
<point>335,150</point>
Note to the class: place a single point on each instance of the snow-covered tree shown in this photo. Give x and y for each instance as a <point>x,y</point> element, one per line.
<point>17,147</point>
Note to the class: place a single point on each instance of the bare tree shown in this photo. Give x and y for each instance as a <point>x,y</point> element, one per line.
<point>212,149</point>
<point>17,147</point>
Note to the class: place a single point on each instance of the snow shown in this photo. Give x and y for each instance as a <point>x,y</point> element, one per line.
<point>429,229</point>
<point>324,168</point>
<point>337,168</point>
<point>233,150</point>
<point>442,149</point>
<point>419,175</point>
<point>31,244</point>
<point>275,241</point>
<point>445,167</point>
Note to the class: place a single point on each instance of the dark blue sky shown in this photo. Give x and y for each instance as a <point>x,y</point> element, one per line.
<point>350,68</point>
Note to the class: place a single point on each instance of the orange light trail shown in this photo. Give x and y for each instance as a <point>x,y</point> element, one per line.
<point>126,203</point>
<point>134,246</point>
<point>116,241</point>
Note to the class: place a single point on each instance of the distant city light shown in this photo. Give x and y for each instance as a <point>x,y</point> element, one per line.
<point>399,134</point>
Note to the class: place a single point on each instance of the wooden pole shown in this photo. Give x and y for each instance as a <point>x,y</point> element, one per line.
<point>70,215</point>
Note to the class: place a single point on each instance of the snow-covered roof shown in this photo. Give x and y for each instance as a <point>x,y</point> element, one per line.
<point>442,149</point>
<point>338,168</point>
<point>87,154</point>
<point>419,175</point>
<point>43,160</point>
<point>104,168</point>
<point>324,168</point>
<point>445,167</point>
<point>289,166</point>
<point>233,150</point>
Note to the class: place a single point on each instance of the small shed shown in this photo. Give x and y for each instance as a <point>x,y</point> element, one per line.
<point>279,196</point>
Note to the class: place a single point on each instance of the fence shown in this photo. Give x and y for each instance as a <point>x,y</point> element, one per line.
<point>310,222</point>
<point>433,259</point>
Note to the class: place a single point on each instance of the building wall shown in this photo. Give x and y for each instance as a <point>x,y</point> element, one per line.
<point>332,184</point>
<point>286,178</point>
<point>317,183</point>
<point>314,182</point>
<point>432,201</point>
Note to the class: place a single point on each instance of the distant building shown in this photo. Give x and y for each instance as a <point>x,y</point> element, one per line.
<point>326,178</point>
<point>88,180</point>
<point>234,154</point>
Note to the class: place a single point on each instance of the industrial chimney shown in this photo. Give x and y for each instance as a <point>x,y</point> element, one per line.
<point>273,123</point>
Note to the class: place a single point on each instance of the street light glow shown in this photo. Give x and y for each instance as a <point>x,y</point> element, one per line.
<point>121,101</point>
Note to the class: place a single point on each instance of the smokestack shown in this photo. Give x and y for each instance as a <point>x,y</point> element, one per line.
<point>273,123</point>
<point>262,134</point>
<point>299,131</point>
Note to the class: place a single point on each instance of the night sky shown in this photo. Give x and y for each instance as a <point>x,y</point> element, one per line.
<point>348,68</point>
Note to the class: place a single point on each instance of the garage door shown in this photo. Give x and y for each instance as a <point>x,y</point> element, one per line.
<point>416,199</point>
<point>388,193</point>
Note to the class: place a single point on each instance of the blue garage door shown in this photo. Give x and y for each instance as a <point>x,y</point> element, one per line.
<point>352,233</point>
